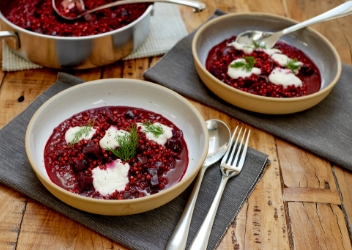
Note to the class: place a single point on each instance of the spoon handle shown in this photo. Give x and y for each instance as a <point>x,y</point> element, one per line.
<point>178,239</point>
<point>200,242</point>
<point>197,6</point>
<point>339,11</point>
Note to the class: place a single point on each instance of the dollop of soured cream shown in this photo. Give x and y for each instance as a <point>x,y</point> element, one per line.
<point>285,77</point>
<point>70,134</point>
<point>109,139</point>
<point>160,139</point>
<point>112,178</point>
<point>80,155</point>
<point>236,73</point>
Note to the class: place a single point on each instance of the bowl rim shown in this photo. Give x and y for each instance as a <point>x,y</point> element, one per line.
<point>135,22</point>
<point>264,98</point>
<point>90,200</point>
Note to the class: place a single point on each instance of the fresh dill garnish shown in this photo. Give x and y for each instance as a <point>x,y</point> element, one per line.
<point>238,64</point>
<point>156,130</point>
<point>127,148</point>
<point>82,132</point>
<point>293,65</point>
<point>258,45</point>
<point>247,65</point>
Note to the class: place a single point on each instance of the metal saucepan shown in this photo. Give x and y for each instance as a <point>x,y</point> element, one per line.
<point>74,52</point>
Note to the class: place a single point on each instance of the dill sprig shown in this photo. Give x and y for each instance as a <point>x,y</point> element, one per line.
<point>127,144</point>
<point>247,65</point>
<point>156,130</point>
<point>83,132</point>
<point>293,65</point>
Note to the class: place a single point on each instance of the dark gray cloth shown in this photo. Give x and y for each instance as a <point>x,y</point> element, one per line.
<point>325,130</point>
<point>149,230</point>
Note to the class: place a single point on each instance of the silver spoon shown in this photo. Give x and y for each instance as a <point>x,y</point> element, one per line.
<point>219,137</point>
<point>268,39</point>
<point>74,9</point>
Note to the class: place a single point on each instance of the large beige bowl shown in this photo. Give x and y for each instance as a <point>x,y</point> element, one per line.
<point>117,92</point>
<point>314,45</point>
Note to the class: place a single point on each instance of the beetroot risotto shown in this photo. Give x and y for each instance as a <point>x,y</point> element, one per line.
<point>39,16</point>
<point>116,153</point>
<point>282,71</point>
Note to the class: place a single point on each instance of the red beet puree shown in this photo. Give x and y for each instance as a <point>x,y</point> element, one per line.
<point>298,67</point>
<point>152,167</point>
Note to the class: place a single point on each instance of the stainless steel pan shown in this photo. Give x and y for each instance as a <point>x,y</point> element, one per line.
<point>74,52</point>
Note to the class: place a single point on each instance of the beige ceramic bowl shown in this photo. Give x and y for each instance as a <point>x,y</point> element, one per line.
<point>117,92</point>
<point>314,45</point>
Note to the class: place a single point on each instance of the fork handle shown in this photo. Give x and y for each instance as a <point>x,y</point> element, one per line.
<point>178,239</point>
<point>200,242</point>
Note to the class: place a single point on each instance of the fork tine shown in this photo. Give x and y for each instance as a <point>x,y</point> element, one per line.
<point>239,147</point>
<point>224,159</point>
<point>244,152</point>
<point>234,146</point>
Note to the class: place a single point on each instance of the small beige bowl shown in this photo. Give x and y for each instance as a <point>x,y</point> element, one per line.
<point>314,45</point>
<point>117,92</point>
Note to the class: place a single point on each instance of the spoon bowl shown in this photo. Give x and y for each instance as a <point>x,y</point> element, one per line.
<point>74,9</point>
<point>269,39</point>
<point>219,137</point>
<point>68,6</point>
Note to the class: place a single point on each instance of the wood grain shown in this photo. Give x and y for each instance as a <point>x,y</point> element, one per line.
<point>343,179</point>
<point>19,89</point>
<point>312,195</point>
<point>312,230</point>
<point>336,31</point>
<point>12,205</point>
<point>261,223</point>
<point>301,202</point>
<point>41,227</point>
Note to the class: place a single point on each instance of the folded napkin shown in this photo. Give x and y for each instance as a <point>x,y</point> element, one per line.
<point>150,230</point>
<point>325,130</point>
<point>161,38</point>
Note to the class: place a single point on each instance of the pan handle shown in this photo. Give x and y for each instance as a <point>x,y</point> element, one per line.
<point>13,36</point>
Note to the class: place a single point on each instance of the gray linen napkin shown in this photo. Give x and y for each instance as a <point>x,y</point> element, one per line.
<point>150,230</point>
<point>325,130</point>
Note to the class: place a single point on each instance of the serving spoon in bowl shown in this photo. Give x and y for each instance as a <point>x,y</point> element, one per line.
<point>269,39</point>
<point>74,9</point>
<point>219,137</point>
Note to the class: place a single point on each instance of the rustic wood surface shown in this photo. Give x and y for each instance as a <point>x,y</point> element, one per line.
<point>302,201</point>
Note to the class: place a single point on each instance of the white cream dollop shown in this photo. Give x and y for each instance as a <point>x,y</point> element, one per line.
<point>283,60</point>
<point>71,133</point>
<point>284,77</point>
<point>110,138</point>
<point>236,73</point>
<point>270,52</point>
<point>247,49</point>
<point>113,178</point>
<point>161,139</point>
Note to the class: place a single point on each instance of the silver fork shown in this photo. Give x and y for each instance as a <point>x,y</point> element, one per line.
<point>229,168</point>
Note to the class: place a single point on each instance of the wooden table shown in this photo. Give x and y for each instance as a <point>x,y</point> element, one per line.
<point>302,201</point>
